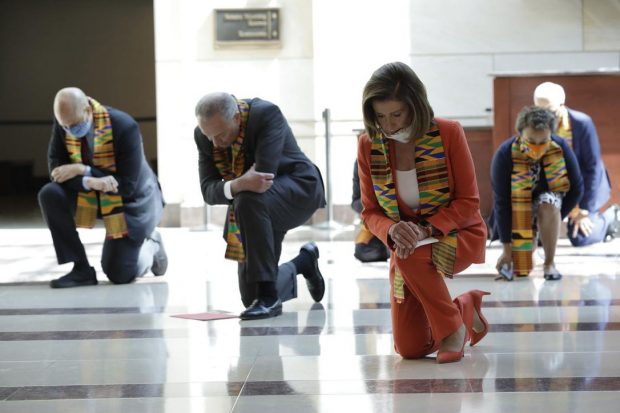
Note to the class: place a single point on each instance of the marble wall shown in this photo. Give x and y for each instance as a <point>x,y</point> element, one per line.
<point>330,48</point>
<point>45,46</point>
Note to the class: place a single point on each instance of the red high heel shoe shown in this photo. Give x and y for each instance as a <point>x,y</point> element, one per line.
<point>476,336</point>
<point>453,356</point>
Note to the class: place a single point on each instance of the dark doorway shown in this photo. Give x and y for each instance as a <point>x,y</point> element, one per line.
<point>105,47</point>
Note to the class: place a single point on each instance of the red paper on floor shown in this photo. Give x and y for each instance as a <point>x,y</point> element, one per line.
<point>207,316</point>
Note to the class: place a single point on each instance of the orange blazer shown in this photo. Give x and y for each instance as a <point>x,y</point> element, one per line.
<point>463,212</point>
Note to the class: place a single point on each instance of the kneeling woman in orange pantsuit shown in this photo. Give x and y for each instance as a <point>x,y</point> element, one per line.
<point>418,184</point>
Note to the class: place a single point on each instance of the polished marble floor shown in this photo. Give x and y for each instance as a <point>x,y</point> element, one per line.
<point>553,346</point>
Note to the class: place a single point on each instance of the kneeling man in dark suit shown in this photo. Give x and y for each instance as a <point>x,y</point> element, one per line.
<point>98,170</point>
<point>249,160</point>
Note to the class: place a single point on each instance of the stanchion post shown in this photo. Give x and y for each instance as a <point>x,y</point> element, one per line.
<point>329,224</point>
<point>328,177</point>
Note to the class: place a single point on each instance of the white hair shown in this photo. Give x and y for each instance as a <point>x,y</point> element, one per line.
<point>216,103</point>
<point>553,92</point>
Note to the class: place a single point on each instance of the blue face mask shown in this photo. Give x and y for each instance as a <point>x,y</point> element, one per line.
<point>80,130</point>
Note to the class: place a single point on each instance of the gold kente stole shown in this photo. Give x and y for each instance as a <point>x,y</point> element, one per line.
<point>364,236</point>
<point>432,175</point>
<point>564,129</point>
<point>231,169</point>
<point>521,197</point>
<point>110,205</point>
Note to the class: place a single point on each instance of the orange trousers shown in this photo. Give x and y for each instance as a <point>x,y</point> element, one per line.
<point>428,314</point>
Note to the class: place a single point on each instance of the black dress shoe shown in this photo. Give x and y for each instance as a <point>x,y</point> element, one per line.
<point>76,279</point>
<point>373,251</point>
<point>313,276</point>
<point>258,309</point>
<point>160,259</point>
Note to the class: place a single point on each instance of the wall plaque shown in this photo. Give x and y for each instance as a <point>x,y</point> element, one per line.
<point>247,27</point>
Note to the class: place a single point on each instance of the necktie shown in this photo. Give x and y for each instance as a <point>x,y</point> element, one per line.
<point>85,152</point>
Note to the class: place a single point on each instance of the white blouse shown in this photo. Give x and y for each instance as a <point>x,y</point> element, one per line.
<point>407,187</point>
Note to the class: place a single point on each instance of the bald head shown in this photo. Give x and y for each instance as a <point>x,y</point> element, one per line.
<point>549,96</point>
<point>71,106</point>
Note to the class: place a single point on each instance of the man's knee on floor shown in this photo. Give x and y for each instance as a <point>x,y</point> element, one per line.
<point>120,274</point>
<point>579,240</point>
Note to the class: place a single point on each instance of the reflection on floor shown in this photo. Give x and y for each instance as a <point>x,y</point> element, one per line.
<point>554,346</point>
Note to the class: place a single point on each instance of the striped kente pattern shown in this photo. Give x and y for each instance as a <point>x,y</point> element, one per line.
<point>564,129</point>
<point>523,230</point>
<point>432,175</point>
<point>231,168</point>
<point>110,205</point>
<point>364,236</point>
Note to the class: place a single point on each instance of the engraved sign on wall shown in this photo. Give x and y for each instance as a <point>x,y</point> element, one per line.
<point>247,27</point>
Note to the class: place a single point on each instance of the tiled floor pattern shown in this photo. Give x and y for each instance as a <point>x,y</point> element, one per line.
<point>553,346</point>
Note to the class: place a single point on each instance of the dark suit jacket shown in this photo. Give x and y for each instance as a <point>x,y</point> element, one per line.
<point>269,142</point>
<point>137,184</point>
<point>586,146</point>
<point>501,174</point>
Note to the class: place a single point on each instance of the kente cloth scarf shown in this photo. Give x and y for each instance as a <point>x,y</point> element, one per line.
<point>432,174</point>
<point>88,203</point>
<point>364,235</point>
<point>564,129</point>
<point>554,166</point>
<point>229,169</point>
